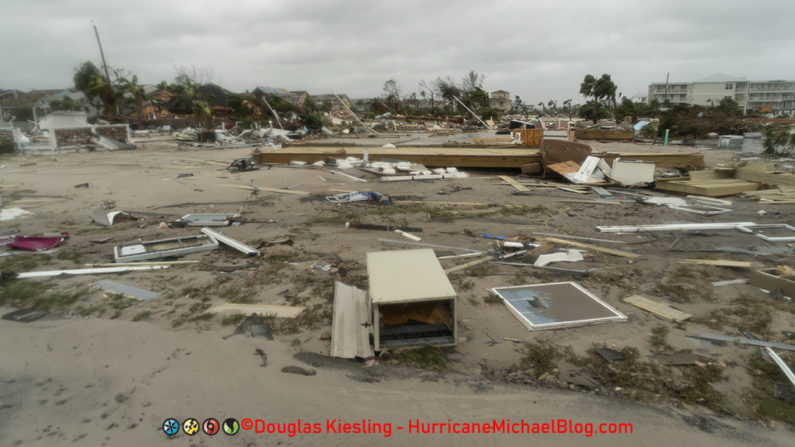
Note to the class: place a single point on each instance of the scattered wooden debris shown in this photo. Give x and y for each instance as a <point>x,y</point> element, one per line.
<point>610,251</point>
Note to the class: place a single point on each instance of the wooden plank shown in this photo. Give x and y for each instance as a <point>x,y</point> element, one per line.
<point>563,188</point>
<point>460,156</point>
<point>718,262</point>
<point>513,183</point>
<point>474,263</point>
<point>708,174</point>
<point>497,140</point>
<point>610,251</point>
<point>477,204</point>
<point>604,134</point>
<point>262,188</point>
<point>531,137</point>
<point>563,168</point>
<point>710,199</point>
<point>657,308</point>
<point>765,174</point>
<point>262,309</point>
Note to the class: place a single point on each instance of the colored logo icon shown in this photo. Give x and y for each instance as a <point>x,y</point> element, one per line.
<point>171,426</point>
<point>231,426</point>
<point>190,426</point>
<point>211,426</point>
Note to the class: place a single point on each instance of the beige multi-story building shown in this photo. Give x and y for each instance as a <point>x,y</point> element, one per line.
<point>777,97</point>
<point>500,99</point>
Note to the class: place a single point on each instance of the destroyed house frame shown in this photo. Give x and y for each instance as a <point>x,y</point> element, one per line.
<point>575,296</point>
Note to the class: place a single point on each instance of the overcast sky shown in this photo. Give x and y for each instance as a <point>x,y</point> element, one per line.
<point>538,49</point>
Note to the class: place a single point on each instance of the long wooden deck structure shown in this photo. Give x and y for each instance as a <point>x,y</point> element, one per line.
<point>462,157</point>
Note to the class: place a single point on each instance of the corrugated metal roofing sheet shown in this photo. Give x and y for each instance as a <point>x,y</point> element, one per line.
<point>352,325</point>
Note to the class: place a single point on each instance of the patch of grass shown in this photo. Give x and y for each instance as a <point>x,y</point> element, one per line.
<point>235,295</point>
<point>23,263</point>
<point>117,303</point>
<point>202,317</point>
<point>232,320</point>
<point>676,292</point>
<point>462,283</point>
<point>314,316</point>
<point>324,290</point>
<point>541,209</point>
<point>37,295</point>
<point>69,255</point>
<point>646,381</point>
<point>141,316</point>
<point>749,313</point>
<point>658,339</point>
<point>492,298</point>
<point>539,357</point>
<point>426,357</point>
<point>514,211</point>
<point>764,375</point>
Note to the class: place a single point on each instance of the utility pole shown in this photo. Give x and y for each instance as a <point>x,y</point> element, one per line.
<point>473,113</point>
<point>354,114</point>
<point>666,87</point>
<point>102,54</point>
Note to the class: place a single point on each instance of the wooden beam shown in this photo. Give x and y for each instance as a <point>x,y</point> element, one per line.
<point>460,156</point>
<point>513,183</point>
<point>718,262</point>
<point>610,251</point>
<point>474,263</point>
<point>262,188</point>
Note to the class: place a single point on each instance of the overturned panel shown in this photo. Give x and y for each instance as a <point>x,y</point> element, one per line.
<point>164,248</point>
<point>352,323</point>
<point>556,305</point>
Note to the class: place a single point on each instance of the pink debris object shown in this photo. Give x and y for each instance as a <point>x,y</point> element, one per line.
<point>37,243</point>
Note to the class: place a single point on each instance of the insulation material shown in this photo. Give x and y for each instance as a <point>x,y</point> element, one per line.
<point>432,312</point>
<point>632,172</point>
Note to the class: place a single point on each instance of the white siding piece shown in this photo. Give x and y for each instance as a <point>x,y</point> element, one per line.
<point>91,271</point>
<point>351,325</point>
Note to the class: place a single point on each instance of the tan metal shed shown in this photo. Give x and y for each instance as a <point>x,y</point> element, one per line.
<point>413,302</point>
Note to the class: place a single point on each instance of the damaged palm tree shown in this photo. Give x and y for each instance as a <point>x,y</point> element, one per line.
<point>90,81</point>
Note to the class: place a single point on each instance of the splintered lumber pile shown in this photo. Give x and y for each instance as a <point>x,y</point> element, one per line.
<point>462,157</point>
<point>782,195</point>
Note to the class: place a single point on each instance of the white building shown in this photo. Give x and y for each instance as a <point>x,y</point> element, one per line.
<point>776,97</point>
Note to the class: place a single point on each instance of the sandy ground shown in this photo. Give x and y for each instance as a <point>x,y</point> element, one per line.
<point>90,375</point>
